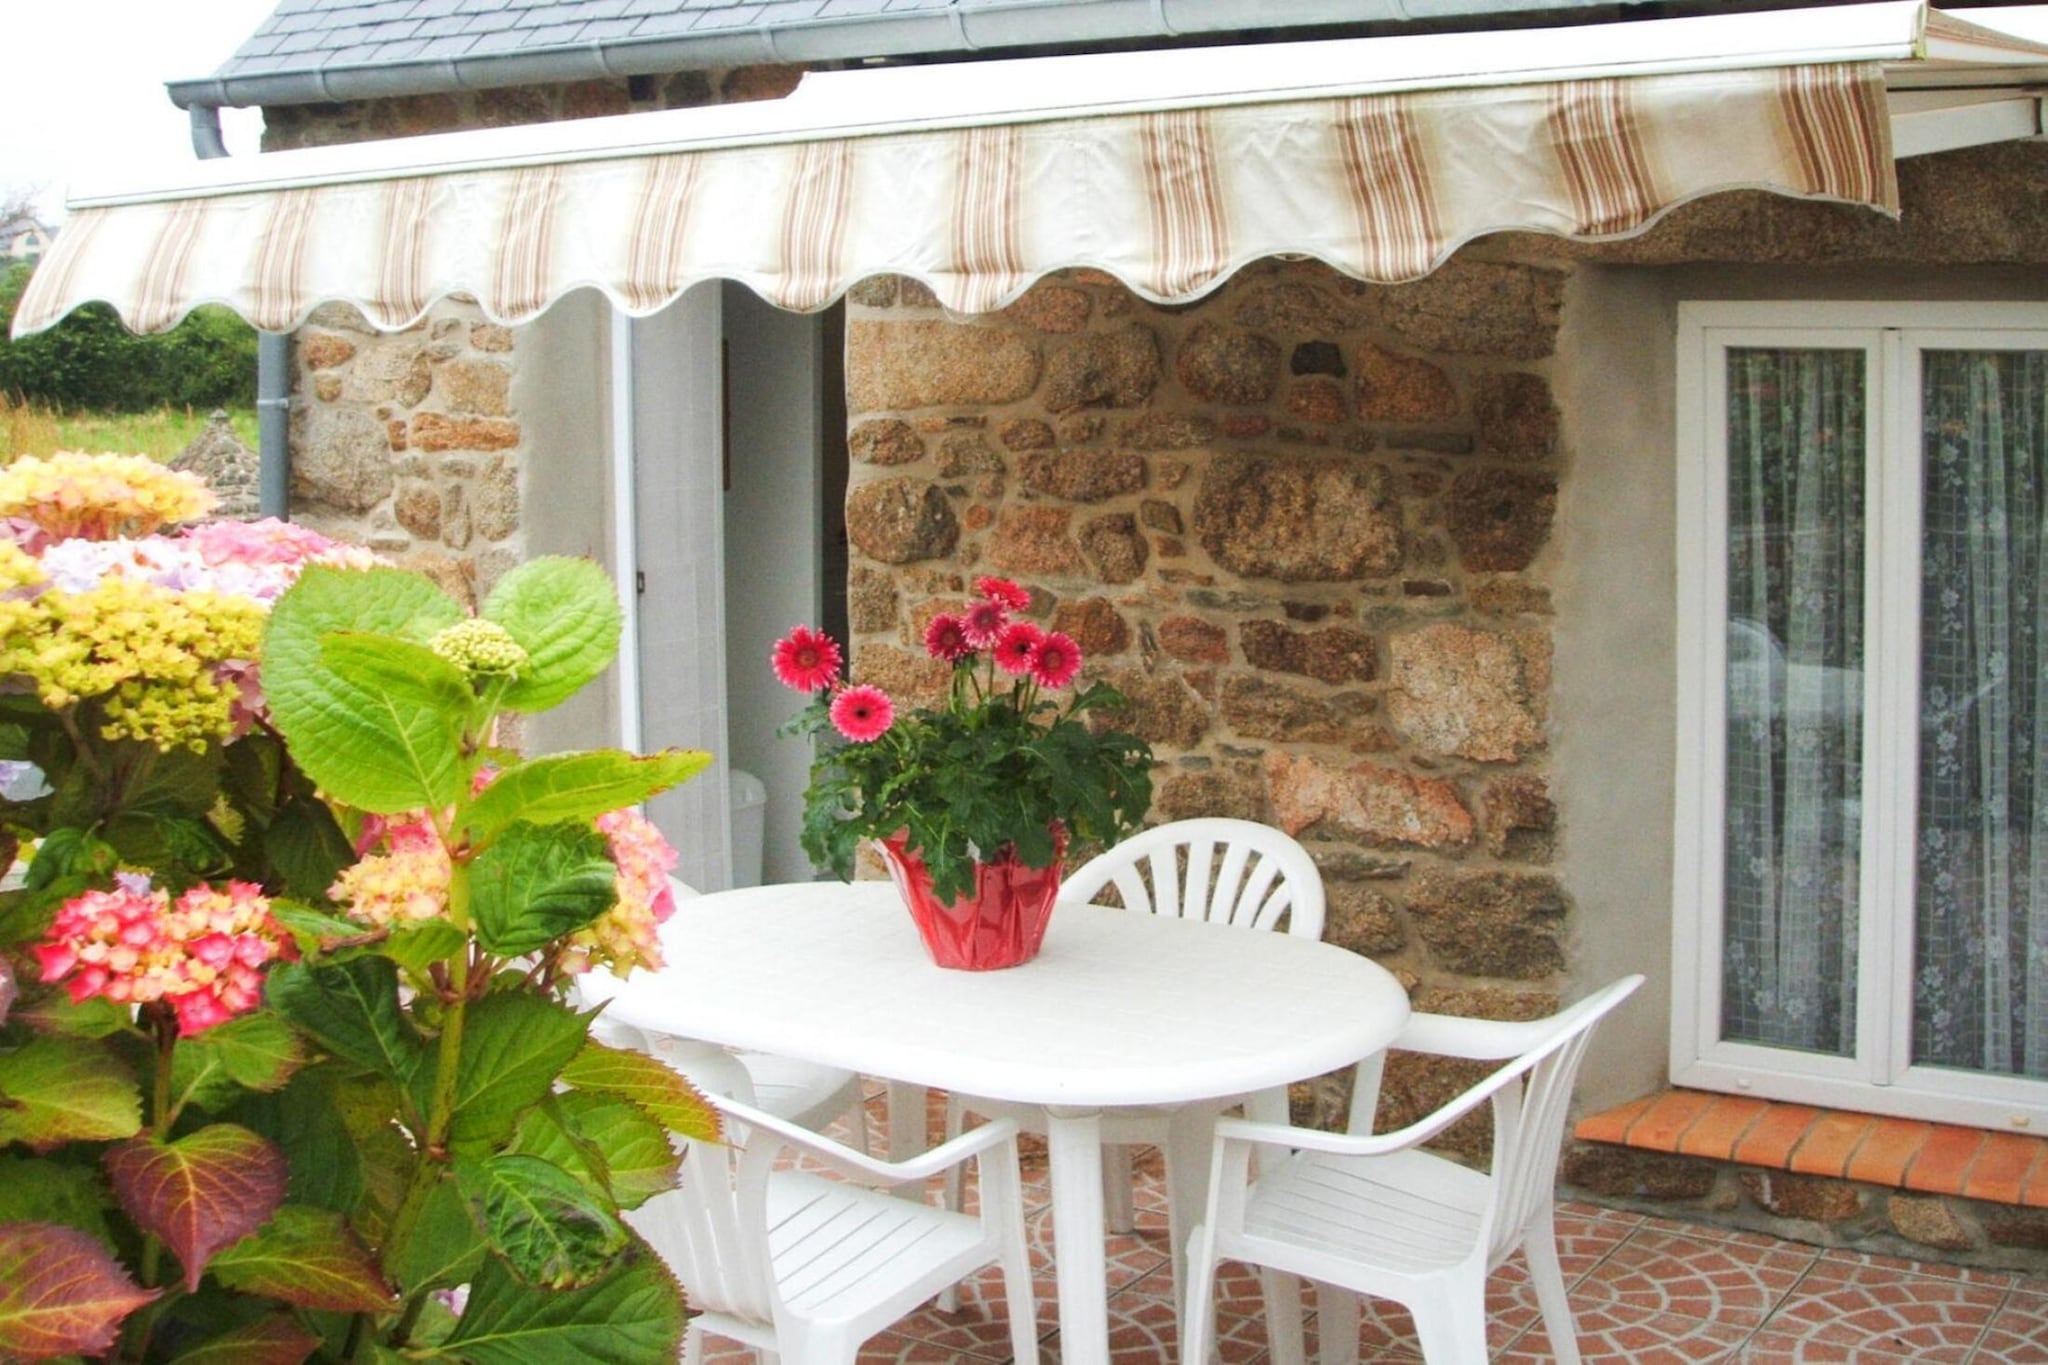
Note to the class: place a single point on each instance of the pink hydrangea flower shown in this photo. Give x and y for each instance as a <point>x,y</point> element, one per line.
<point>807,660</point>
<point>1018,646</point>
<point>863,714</point>
<point>945,638</point>
<point>404,884</point>
<point>1003,591</point>
<point>204,955</point>
<point>1056,660</point>
<point>627,935</point>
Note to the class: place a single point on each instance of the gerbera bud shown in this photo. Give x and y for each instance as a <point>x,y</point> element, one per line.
<point>482,649</point>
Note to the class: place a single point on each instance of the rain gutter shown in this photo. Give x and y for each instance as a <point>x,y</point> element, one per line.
<point>273,361</point>
<point>954,30</point>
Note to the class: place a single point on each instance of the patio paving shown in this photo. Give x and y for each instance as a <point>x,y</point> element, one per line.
<point>1645,1291</point>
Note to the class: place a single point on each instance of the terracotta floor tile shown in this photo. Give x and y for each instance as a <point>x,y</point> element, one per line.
<point>1828,1142</point>
<point>1875,1308</point>
<point>1883,1157</point>
<point>1735,1283</point>
<point>1717,1131</point>
<point>2000,1170</point>
<point>2017,1334</point>
<point>1771,1138</point>
<point>1614,1337</point>
<point>1942,1163</point>
<point>1774,1348</point>
<point>1611,1125</point>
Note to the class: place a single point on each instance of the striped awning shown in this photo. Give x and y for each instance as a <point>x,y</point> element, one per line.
<point>1170,196</point>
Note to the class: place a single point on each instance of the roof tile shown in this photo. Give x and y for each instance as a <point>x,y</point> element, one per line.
<point>554,35</point>
<point>443,26</point>
<point>605,30</point>
<point>503,40</point>
<point>448,45</point>
<point>434,9</point>
<point>842,9</point>
<point>656,25</point>
<point>732,16</point>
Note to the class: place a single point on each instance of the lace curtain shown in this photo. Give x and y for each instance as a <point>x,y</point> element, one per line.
<point>1794,701</point>
<point>1981,938</point>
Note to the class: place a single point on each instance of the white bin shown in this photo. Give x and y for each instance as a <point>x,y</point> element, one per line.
<point>749,827</point>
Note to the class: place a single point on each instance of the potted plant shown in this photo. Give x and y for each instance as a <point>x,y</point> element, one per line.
<point>972,803</point>
<point>286,1067</point>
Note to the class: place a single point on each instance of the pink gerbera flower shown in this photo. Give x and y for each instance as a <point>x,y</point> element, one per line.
<point>1018,646</point>
<point>1056,660</point>
<point>863,713</point>
<point>1004,591</point>
<point>945,638</point>
<point>807,660</point>
<point>983,623</point>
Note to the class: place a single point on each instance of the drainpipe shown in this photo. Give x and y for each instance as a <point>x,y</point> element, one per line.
<point>273,364</point>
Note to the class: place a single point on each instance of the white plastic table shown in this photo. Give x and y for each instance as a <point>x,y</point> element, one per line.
<point>1117,1009</point>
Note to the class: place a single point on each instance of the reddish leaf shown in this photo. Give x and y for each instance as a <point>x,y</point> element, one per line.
<point>201,1192</point>
<point>61,1293</point>
<point>274,1340</point>
<point>308,1257</point>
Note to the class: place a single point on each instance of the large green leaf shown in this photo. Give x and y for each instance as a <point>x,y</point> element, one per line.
<point>273,1340</point>
<point>307,1124</point>
<point>513,1047</point>
<point>553,1229</point>
<point>577,788</point>
<point>635,1076</point>
<point>385,734</point>
<point>638,1160</point>
<point>255,1052</point>
<point>306,848</point>
<point>351,742</point>
<point>537,883</point>
<point>544,1132</point>
<point>445,1248</point>
<point>56,1090</point>
<point>61,1293</point>
<point>352,1010</point>
<point>631,1316</point>
<point>308,1257</point>
<point>565,615</point>
<point>33,1190</point>
<point>55,1014</point>
<point>200,1193</point>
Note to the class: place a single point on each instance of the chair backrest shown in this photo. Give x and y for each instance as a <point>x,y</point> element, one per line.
<point>1529,1119</point>
<point>1235,872</point>
<point>712,1228</point>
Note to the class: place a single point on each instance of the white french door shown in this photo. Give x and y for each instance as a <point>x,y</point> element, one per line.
<point>1861,888</point>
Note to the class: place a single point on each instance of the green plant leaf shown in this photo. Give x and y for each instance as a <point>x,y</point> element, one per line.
<point>33,1190</point>
<point>308,1257</point>
<point>333,727</point>
<point>386,735</point>
<point>273,1340</point>
<point>200,1193</point>
<point>648,1083</point>
<point>577,788</point>
<point>255,1052</point>
<point>61,1293</point>
<point>55,1014</point>
<point>445,1248</point>
<point>351,1009</point>
<point>56,1090</point>
<point>513,1047</point>
<point>565,614</point>
<point>639,1162</point>
<point>633,1315</point>
<point>306,848</point>
<point>316,931</point>
<point>544,1132</point>
<point>416,946</point>
<point>537,883</point>
<point>552,1228</point>
<point>307,1123</point>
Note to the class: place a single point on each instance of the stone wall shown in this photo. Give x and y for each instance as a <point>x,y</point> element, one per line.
<point>1301,525</point>
<point>407,442</point>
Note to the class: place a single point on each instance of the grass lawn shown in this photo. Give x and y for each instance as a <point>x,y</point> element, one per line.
<point>161,434</point>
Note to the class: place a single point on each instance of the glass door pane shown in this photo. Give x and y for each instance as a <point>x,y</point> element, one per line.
<point>1981,931</point>
<point>1796,470</point>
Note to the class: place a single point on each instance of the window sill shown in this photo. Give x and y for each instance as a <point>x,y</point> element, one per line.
<point>1931,1158</point>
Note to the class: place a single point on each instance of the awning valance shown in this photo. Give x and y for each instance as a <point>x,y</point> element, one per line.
<point>1399,155</point>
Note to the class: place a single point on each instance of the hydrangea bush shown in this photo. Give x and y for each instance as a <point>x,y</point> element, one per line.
<point>287,1068</point>
<point>998,764</point>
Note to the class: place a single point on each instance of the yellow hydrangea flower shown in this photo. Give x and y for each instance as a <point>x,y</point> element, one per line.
<point>100,497</point>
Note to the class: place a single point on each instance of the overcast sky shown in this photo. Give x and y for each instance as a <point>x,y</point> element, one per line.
<point>83,89</point>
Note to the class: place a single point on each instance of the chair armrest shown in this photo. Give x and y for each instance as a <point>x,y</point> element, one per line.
<point>1368,1144</point>
<point>1479,1040</point>
<point>869,1170</point>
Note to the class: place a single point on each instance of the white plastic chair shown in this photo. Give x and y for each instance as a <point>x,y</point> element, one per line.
<point>1235,872</point>
<point>805,1093</point>
<point>803,1267</point>
<point>1375,1215</point>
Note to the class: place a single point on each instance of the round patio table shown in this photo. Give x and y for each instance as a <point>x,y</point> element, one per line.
<point>1117,1009</point>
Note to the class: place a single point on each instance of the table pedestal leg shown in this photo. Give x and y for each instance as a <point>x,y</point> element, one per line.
<point>1074,1147</point>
